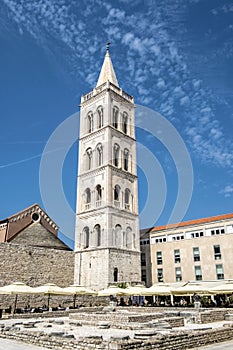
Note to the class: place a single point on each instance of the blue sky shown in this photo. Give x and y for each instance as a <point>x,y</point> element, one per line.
<point>175,57</point>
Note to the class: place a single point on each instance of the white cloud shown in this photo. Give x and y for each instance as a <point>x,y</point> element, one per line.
<point>161,83</point>
<point>227,191</point>
<point>184,101</point>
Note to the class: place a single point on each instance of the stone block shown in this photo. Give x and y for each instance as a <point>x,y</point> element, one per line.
<point>144,333</point>
<point>104,325</point>
<point>57,334</point>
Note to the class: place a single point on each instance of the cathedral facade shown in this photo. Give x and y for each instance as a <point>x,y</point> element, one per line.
<point>107,244</point>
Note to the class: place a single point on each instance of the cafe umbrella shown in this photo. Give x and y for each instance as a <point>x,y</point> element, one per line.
<point>76,290</point>
<point>112,290</point>
<point>139,290</point>
<point>223,288</point>
<point>16,288</point>
<point>49,289</point>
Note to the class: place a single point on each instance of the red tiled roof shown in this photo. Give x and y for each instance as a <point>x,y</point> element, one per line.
<point>194,222</point>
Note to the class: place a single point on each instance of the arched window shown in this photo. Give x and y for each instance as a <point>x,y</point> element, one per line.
<point>98,190</point>
<point>125,122</point>
<point>87,198</point>
<point>97,230</point>
<point>115,274</point>
<point>117,196</point>
<point>116,153</point>
<point>126,159</point>
<point>99,149</point>
<point>100,113</point>
<point>86,235</point>
<point>129,243</point>
<point>133,240</point>
<point>115,112</point>
<point>90,126</point>
<point>89,158</point>
<point>127,199</point>
<point>118,236</point>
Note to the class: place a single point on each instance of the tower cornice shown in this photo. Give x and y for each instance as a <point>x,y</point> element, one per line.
<point>107,86</point>
<point>92,211</point>
<point>94,133</point>
<point>123,173</point>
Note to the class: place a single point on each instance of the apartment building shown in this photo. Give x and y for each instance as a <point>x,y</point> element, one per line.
<point>193,250</point>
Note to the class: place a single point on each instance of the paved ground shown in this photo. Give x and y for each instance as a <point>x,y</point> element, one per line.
<point>220,346</point>
<point>13,345</point>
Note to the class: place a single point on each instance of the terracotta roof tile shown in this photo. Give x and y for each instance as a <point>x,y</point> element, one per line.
<point>193,222</point>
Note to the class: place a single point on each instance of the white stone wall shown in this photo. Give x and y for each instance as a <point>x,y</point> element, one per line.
<point>95,268</point>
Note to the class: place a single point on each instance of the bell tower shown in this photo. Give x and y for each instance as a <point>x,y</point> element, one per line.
<point>107,241</point>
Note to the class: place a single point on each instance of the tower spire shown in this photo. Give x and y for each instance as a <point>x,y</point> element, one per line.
<point>107,72</point>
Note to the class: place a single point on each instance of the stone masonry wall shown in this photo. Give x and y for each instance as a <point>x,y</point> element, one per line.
<point>213,315</point>
<point>38,236</point>
<point>178,341</point>
<point>34,266</point>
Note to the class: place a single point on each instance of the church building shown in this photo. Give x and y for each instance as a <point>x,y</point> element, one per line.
<point>107,243</point>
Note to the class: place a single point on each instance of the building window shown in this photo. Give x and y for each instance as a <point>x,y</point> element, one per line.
<point>115,274</point>
<point>99,149</point>
<point>177,238</point>
<point>178,274</point>
<point>143,259</point>
<point>118,235</point>
<point>87,198</point>
<point>177,256</point>
<point>159,258</point>
<point>117,196</point>
<point>161,240</point>
<point>115,117</point>
<point>198,273</point>
<point>86,237</point>
<point>128,240</point>
<point>197,234</point>
<point>127,198</point>
<point>217,252</point>
<point>116,152</point>
<point>125,123</point>
<point>89,158</point>
<point>144,276</point>
<point>98,190</point>
<point>219,272</point>
<point>126,159</point>
<point>217,231</point>
<point>97,230</point>
<point>90,126</point>
<point>160,275</point>
<point>100,117</point>
<point>196,254</point>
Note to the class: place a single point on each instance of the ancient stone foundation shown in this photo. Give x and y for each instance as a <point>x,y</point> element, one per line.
<point>178,341</point>
<point>123,329</point>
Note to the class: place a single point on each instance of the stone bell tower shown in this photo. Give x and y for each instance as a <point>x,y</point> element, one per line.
<point>107,246</point>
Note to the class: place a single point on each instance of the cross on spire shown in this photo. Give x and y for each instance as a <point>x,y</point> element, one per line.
<point>107,71</point>
<point>107,46</point>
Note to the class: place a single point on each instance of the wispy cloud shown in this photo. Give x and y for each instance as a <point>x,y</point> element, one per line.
<point>227,191</point>
<point>154,63</point>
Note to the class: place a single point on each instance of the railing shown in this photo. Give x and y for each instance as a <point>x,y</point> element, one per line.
<point>102,87</point>
<point>98,203</point>
<point>117,204</point>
